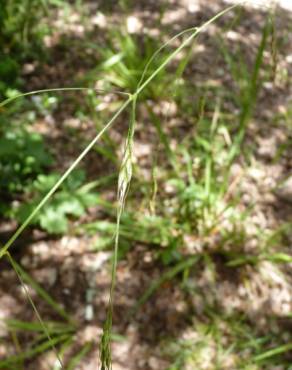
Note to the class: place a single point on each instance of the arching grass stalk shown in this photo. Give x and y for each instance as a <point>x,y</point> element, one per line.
<point>125,176</point>
<point>125,172</point>
<point>28,220</point>
<point>59,89</point>
<point>141,86</point>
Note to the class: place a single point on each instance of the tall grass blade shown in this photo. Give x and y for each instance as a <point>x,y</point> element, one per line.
<point>10,362</point>
<point>168,275</point>
<point>51,342</point>
<point>274,352</point>
<point>79,356</point>
<point>40,291</point>
<point>251,97</point>
<point>23,226</point>
<point>124,176</point>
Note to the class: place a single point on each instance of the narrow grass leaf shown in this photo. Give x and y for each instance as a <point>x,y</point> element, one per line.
<point>40,291</point>
<point>273,352</point>
<point>168,275</point>
<point>79,356</point>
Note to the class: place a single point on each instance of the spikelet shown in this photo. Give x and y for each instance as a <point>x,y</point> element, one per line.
<point>124,180</point>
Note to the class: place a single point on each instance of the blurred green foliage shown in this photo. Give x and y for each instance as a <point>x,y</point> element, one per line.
<point>22,156</point>
<point>71,200</point>
<point>124,60</point>
<point>21,36</point>
<point>20,23</point>
<point>189,207</point>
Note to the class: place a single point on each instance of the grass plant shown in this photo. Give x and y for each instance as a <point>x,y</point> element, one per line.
<point>201,202</point>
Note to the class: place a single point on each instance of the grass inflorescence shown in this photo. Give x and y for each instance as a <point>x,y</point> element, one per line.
<point>202,201</point>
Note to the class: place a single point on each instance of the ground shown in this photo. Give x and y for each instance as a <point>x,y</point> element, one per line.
<point>182,316</point>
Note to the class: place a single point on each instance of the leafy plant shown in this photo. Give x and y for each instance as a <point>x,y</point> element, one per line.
<point>71,201</point>
<point>22,156</point>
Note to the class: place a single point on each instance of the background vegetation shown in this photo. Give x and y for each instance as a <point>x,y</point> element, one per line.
<point>194,175</point>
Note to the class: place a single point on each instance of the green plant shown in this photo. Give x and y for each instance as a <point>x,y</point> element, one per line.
<point>22,156</point>
<point>248,83</point>
<point>19,20</point>
<point>222,342</point>
<point>71,200</point>
<point>9,70</point>
<point>21,37</point>
<point>200,191</point>
<point>200,199</point>
<point>47,334</point>
<point>124,61</point>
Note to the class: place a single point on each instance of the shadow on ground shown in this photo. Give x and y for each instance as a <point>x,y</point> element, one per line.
<point>71,272</point>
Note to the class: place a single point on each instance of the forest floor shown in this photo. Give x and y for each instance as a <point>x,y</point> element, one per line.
<point>240,302</point>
